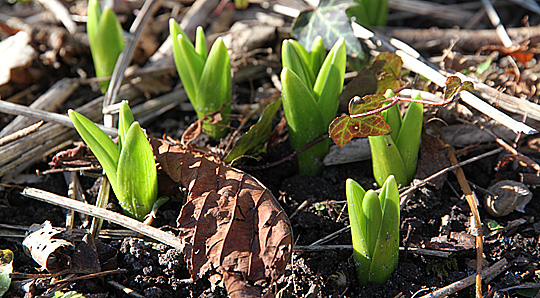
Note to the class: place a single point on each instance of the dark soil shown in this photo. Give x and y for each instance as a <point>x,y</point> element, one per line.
<point>156,270</point>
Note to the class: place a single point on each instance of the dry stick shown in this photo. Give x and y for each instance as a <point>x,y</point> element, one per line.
<point>404,194</point>
<point>408,55</point>
<point>496,21</point>
<point>125,289</point>
<point>17,109</point>
<point>420,251</point>
<point>57,94</point>
<point>89,276</point>
<point>21,133</point>
<point>114,217</point>
<point>494,270</point>
<point>465,40</point>
<point>61,13</point>
<point>471,200</point>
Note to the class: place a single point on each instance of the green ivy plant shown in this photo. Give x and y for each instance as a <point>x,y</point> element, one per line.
<point>206,78</point>
<point>311,84</point>
<point>129,166</point>
<point>106,40</point>
<point>374,223</point>
<point>394,140</point>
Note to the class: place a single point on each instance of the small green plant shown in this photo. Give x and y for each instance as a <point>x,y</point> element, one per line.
<point>206,77</point>
<point>374,223</point>
<point>129,166</point>
<point>6,268</point>
<point>397,153</point>
<point>105,38</point>
<point>369,12</point>
<point>311,86</point>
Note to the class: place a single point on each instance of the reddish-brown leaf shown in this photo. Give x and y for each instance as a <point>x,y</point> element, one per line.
<point>344,128</point>
<point>234,229</point>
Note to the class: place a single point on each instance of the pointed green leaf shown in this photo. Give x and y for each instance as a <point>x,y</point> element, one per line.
<point>386,160</point>
<point>101,145</point>
<point>125,119</point>
<point>317,55</point>
<point>372,220</point>
<point>369,13</point>
<point>330,21</point>
<point>215,91</point>
<point>304,121</point>
<point>355,196</point>
<point>385,256</point>
<point>257,135</point>
<point>190,68</point>
<point>200,43</point>
<point>107,46</point>
<point>295,58</point>
<point>329,82</point>
<point>393,116</point>
<point>137,174</point>
<point>94,14</point>
<point>408,140</point>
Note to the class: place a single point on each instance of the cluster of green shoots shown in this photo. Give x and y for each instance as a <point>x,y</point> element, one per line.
<point>106,40</point>
<point>311,86</point>
<point>374,223</point>
<point>129,166</point>
<point>206,78</point>
<point>397,153</point>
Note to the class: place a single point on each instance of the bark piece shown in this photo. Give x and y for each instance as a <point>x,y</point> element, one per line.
<point>234,229</point>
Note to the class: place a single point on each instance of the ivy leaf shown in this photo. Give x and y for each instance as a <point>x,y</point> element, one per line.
<point>452,85</point>
<point>257,134</point>
<point>468,86</point>
<point>344,128</point>
<point>330,21</point>
<point>383,74</point>
<point>391,72</point>
<point>365,104</point>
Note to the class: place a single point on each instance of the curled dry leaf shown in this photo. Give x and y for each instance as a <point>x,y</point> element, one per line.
<point>234,229</point>
<point>46,246</point>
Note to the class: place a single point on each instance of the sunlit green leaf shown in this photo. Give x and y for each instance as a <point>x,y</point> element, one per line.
<point>408,141</point>
<point>385,256</point>
<point>386,160</point>
<point>304,120</point>
<point>329,82</point>
<point>215,91</point>
<point>101,145</point>
<point>125,118</point>
<point>295,58</point>
<point>137,174</point>
<point>106,44</point>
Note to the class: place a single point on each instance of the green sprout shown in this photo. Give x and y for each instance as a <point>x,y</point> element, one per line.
<point>311,86</point>
<point>369,12</point>
<point>206,77</point>
<point>105,38</point>
<point>130,167</point>
<point>397,153</point>
<point>374,223</point>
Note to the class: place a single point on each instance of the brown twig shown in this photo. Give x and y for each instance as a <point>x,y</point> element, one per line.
<point>461,284</point>
<point>471,200</point>
<point>21,133</point>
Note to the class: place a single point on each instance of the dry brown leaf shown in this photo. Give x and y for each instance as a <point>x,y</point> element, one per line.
<point>233,227</point>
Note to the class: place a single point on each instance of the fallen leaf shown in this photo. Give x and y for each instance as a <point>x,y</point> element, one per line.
<point>234,229</point>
